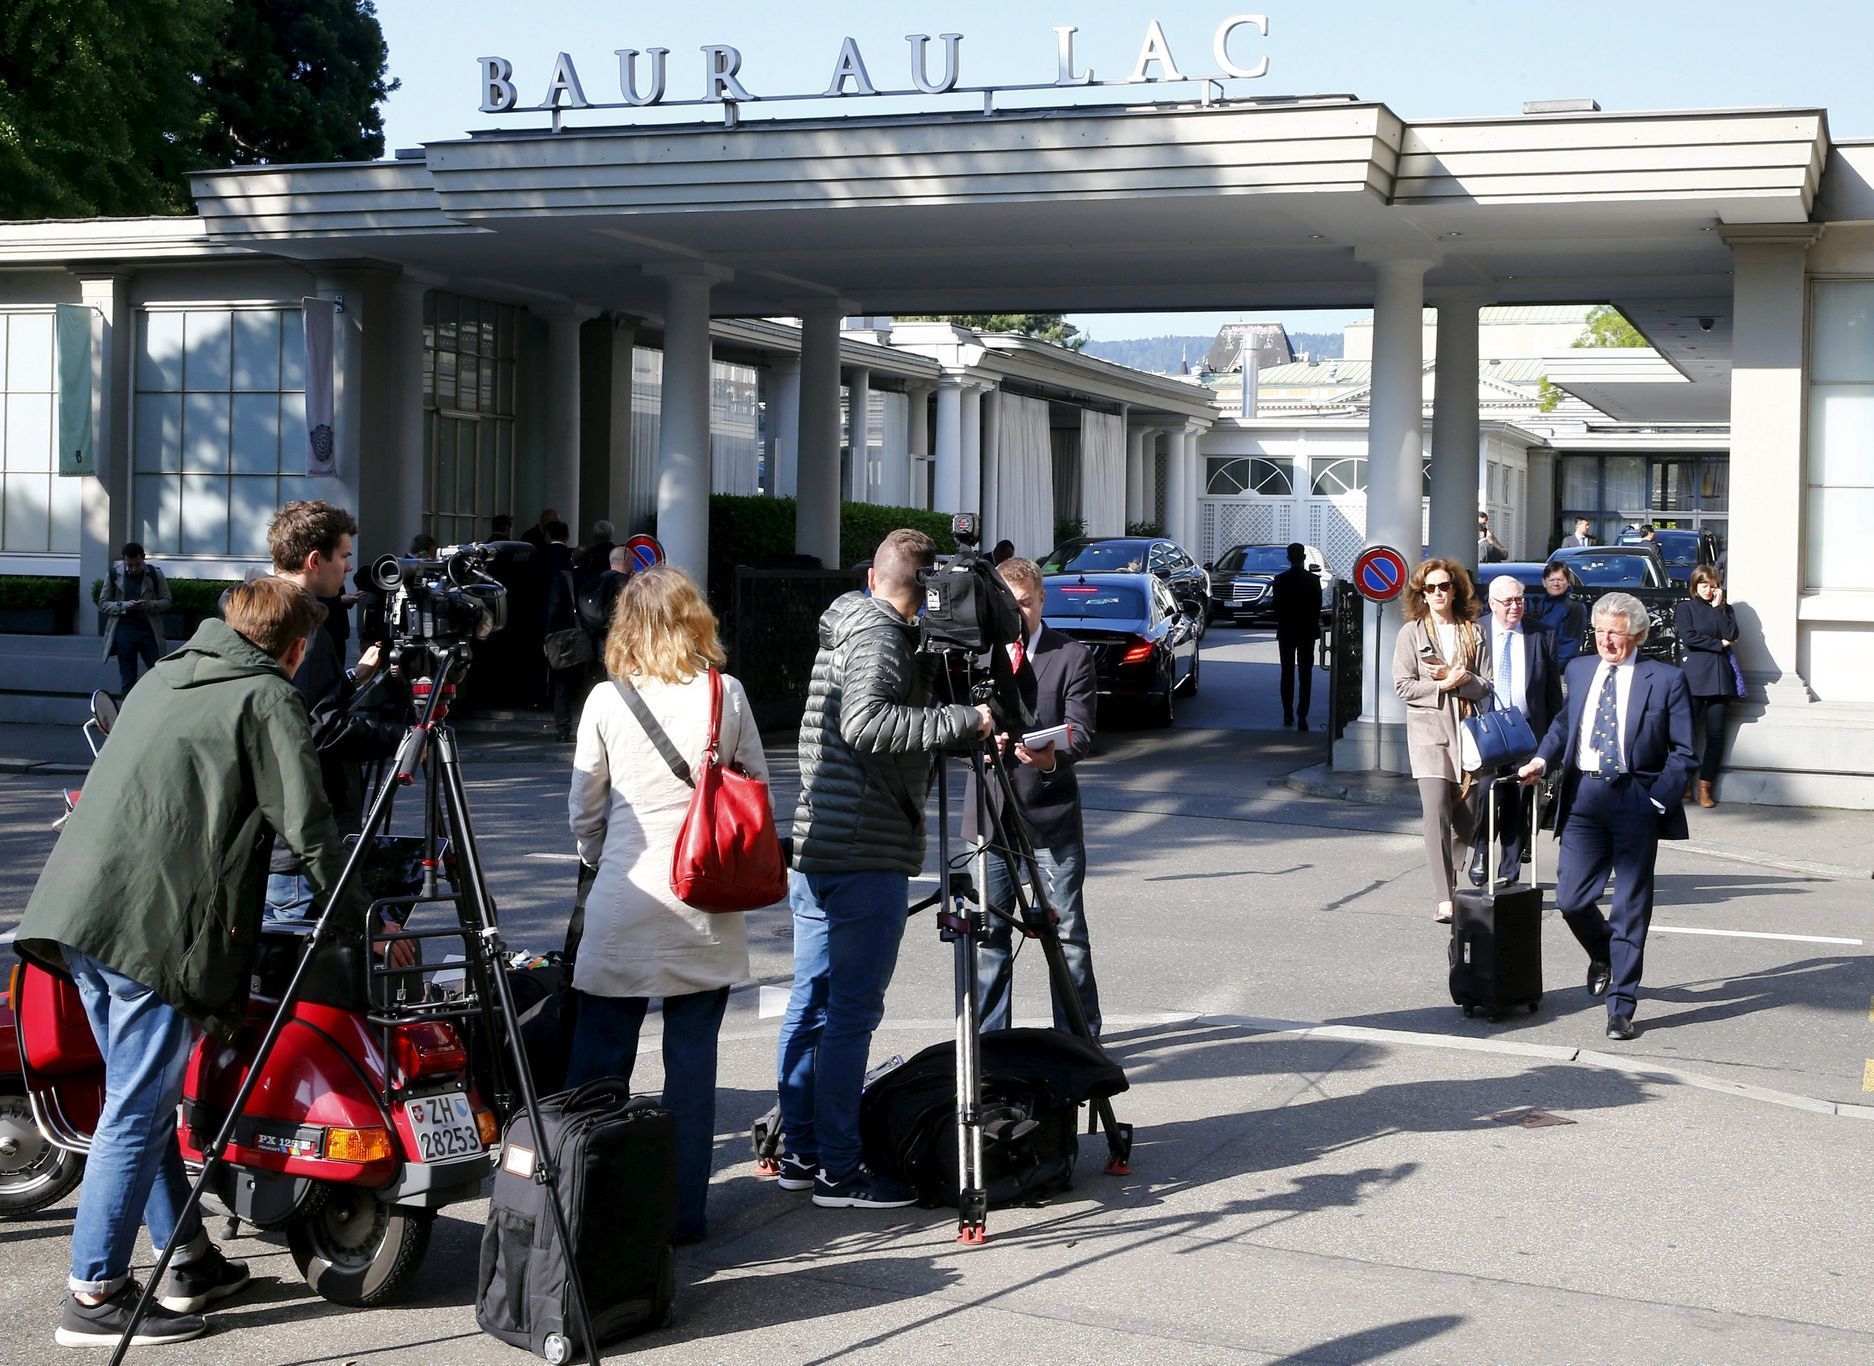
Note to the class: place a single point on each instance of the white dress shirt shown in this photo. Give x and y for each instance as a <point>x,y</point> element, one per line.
<point>1518,695</point>
<point>1586,757</point>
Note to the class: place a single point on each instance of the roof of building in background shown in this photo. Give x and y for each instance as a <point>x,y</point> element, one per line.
<point>1268,340</point>
<point>1513,314</point>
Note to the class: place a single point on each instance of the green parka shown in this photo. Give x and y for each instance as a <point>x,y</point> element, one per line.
<point>161,872</point>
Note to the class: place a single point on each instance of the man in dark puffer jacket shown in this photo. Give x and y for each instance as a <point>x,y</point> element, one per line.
<point>865,745</point>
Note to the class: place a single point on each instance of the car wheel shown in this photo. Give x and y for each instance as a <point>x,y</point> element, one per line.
<point>1161,711</point>
<point>1190,682</point>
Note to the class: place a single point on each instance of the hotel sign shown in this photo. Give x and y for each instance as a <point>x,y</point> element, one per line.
<point>643,74</point>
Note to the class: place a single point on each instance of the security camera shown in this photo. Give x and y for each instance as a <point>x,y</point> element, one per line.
<point>1705,324</point>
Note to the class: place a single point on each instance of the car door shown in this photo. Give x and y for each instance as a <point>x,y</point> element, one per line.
<point>1180,630</point>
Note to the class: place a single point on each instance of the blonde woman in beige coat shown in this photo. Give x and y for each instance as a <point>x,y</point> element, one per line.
<point>626,807</point>
<point>1436,668</point>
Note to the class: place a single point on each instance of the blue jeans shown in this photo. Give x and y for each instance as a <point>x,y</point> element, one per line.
<point>129,646</point>
<point>605,1044</point>
<point>134,1174</point>
<point>847,927</point>
<point>289,897</point>
<point>1066,871</point>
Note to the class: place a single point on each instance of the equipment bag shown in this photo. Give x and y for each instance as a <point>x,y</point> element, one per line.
<point>727,856</point>
<point>615,1160</point>
<point>1033,1082</point>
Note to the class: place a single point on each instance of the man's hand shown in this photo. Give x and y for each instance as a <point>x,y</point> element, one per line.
<point>350,599</point>
<point>1042,759</point>
<point>396,953</point>
<point>367,664</point>
<point>986,722</point>
<point>1531,772</point>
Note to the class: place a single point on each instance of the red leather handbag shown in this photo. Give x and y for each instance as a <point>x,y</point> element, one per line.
<point>727,856</point>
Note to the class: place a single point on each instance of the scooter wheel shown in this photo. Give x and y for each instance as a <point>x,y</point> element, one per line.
<point>33,1173</point>
<point>354,1249</point>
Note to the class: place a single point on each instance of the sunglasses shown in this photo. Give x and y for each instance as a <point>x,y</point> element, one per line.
<point>1442,586</point>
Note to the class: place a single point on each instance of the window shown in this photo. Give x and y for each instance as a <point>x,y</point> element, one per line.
<point>1227,475</point>
<point>38,510</point>
<point>469,350</point>
<point>1840,463</point>
<point>218,429</point>
<point>1337,474</point>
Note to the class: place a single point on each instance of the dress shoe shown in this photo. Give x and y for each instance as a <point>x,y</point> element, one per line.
<point>1704,794</point>
<point>1443,913</point>
<point>1288,719</point>
<point>1302,724</point>
<point>1599,974</point>
<point>1620,1027</point>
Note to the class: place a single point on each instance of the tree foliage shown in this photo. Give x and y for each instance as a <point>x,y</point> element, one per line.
<point>1049,327</point>
<point>106,105</point>
<point>1608,326</point>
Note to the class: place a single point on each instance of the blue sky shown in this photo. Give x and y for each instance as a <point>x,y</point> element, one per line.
<point>1426,59</point>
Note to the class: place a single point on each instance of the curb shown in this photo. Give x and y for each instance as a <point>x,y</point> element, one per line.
<point>42,766</point>
<point>1321,781</point>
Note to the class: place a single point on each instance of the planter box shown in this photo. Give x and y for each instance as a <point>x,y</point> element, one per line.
<point>35,621</point>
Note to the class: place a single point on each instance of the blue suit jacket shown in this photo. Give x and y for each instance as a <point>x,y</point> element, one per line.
<point>1657,742</point>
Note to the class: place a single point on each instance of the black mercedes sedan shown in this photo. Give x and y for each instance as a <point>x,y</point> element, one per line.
<point>1164,559</point>
<point>1144,643</point>
<point>1242,579</point>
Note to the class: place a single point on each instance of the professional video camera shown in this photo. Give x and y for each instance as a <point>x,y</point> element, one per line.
<point>966,605</point>
<point>451,598</point>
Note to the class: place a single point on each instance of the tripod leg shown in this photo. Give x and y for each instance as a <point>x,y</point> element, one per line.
<point>962,927</point>
<point>455,800</point>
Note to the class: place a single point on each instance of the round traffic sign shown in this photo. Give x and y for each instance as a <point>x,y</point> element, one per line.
<point>1379,574</point>
<point>644,551</point>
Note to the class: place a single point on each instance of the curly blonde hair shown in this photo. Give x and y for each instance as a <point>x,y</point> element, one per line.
<point>662,628</point>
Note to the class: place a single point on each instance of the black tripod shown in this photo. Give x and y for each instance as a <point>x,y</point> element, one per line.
<point>965,922</point>
<point>428,751</point>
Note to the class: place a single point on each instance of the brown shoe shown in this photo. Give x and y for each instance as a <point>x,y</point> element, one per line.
<point>1704,794</point>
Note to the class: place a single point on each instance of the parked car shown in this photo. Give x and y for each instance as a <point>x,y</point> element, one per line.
<point>1681,550</point>
<point>1635,569</point>
<point>1164,559</point>
<point>1144,644</point>
<point>1241,579</point>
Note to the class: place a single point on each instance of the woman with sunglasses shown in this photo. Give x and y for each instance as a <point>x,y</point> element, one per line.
<point>1437,669</point>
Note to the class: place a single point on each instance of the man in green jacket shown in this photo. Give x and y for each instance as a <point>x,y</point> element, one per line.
<point>151,901</point>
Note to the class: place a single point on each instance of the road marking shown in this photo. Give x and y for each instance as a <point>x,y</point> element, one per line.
<point>1867,1076</point>
<point>1757,934</point>
<point>1870,1012</point>
<point>555,858</point>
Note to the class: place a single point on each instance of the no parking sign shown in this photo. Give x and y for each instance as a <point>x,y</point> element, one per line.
<point>1379,574</point>
<point>644,551</point>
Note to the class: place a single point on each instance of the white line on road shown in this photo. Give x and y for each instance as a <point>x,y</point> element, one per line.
<point>1754,934</point>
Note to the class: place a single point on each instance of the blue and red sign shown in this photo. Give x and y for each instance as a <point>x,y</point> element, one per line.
<point>644,551</point>
<point>1380,573</point>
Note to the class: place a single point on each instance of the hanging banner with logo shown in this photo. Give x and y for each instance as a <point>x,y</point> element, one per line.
<point>73,343</point>
<point>320,316</point>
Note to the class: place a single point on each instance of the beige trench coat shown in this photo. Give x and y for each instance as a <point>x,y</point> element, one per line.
<point>1431,713</point>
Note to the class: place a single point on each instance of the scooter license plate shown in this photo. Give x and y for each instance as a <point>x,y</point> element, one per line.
<point>443,1127</point>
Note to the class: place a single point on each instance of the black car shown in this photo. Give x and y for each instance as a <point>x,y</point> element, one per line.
<point>1241,579</point>
<point>1164,559</point>
<point>1682,551</point>
<point>1144,645</point>
<point>1635,569</point>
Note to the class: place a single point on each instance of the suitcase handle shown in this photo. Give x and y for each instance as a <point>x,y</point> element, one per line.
<point>598,1092</point>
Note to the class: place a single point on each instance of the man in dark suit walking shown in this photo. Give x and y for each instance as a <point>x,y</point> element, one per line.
<point>1624,748</point>
<point>1055,674</point>
<point>1581,536</point>
<point>1296,593</point>
<point>1523,673</point>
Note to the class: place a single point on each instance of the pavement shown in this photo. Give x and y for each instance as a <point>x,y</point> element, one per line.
<point>1332,1164</point>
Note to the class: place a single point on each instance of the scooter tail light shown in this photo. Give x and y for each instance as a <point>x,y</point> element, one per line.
<point>428,1048</point>
<point>1138,654</point>
<point>357,1145</point>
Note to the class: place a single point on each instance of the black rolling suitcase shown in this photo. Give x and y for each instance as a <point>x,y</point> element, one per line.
<point>616,1160</point>
<point>1496,932</point>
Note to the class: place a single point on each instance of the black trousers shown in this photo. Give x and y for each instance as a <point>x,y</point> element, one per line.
<point>1708,720</point>
<point>1297,658</point>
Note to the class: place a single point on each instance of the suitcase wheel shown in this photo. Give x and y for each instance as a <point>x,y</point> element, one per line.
<point>556,1349</point>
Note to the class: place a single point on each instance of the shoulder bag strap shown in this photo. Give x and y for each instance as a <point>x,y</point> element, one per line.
<point>654,731</point>
<point>715,712</point>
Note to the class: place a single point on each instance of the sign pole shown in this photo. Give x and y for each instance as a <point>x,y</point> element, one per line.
<point>1378,609</point>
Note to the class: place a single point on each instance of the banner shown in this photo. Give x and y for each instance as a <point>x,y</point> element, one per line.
<point>319,314</point>
<point>73,345</point>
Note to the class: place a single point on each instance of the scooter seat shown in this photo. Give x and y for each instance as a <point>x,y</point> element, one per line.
<point>337,975</point>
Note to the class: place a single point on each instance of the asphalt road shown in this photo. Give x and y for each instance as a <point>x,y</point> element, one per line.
<point>1319,1177</point>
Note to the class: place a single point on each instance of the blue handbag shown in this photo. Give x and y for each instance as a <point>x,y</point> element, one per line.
<point>1496,738</point>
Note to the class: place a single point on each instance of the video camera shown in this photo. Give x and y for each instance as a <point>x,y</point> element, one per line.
<point>448,599</point>
<point>971,616</point>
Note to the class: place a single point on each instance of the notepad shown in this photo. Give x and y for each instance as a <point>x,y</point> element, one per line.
<point>1041,739</point>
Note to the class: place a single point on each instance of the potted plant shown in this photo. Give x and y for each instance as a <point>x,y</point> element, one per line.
<point>37,604</point>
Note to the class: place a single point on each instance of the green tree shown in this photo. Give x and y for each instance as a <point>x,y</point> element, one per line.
<point>1049,327</point>
<point>296,81</point>
<point>1608,326</point>
<point>100,104</point>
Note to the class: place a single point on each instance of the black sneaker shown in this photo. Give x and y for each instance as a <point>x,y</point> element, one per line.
<point>798,1173</point>
<point>100,1325</point>
<point>191,1289</point>
<point>862,1188</point>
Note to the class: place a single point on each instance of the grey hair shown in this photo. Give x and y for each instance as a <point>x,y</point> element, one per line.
<point>1629,609</point>
<point>620,558</point>
<point>602,530</point>
<point>1510,579</point>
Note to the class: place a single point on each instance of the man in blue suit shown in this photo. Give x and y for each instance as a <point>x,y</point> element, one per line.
<point>1624,747</point>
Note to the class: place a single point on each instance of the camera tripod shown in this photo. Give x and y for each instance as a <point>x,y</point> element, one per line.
<point>965,921</point>
<point>429,752</point>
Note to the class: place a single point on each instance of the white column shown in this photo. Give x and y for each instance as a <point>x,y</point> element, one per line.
<point>348,384</point>
<point>618,434</point>
<point>816,514</point>
<point>992,466</point>
<point>683,429</point>
<point>1177,485</point>
<point>104,496</point>
<point>783,385</point>
<point>1454,433</point>
<point>858,418</point>
<point>970,485</point>
<point>1395,456</point>
<point>560,454</point>
<point>1138,441</point>
<point>1764,567</point>
<point>949,481</point>
<point>917,441</point>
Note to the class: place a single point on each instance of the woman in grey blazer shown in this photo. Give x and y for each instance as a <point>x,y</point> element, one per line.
<point>1437,668</point>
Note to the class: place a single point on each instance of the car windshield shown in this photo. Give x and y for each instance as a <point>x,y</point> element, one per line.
<point>1254,559</point>
<point>1613,571</point>
<point>1108,600</point>
<point>1099,557</point>
<point>1679,548</point>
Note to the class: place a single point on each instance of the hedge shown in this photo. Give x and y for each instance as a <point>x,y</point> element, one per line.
<point>188,597</point>
<point>29,592</point>
<point>757,531</point>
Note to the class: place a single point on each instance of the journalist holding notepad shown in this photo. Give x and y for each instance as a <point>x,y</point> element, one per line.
<point>1055,674</point>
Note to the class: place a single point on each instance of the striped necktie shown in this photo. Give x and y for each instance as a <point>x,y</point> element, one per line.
<point>1506,663</point>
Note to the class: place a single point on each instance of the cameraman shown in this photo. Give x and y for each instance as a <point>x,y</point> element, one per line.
<point>1055,675</point>
<point>865,743</point>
